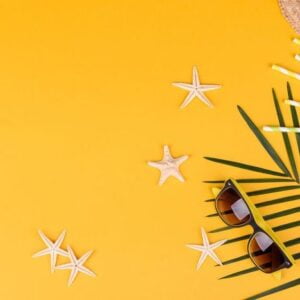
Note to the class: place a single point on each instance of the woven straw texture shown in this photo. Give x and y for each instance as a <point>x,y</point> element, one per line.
<point>291,10</point>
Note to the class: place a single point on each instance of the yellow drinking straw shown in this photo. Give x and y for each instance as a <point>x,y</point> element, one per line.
<point>281,129</point>
<point>296,41</point>
<point>297,57</point>
<point>286,72</point>
<point>292,102</point>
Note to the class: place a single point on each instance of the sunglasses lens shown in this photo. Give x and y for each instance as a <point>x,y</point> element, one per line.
<point>232,208</point>
<point>265,253</point>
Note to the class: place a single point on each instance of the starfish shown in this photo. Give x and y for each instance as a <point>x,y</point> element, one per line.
<point>168,166</point>
<point>207,249</point>
<point>76,265</point>
<point>196,90</point>
<point>53,248</point>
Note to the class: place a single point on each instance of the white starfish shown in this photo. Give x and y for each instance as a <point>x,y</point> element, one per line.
<point>53,248</point>
<point>168,166</point>
<point>196,90</point>
<point>76,265</point>
<point>207,249</point>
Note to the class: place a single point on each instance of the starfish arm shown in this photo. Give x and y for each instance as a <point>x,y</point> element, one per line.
<point>84,257</point>
<point>204,99</point>
<point>215,257</point>
<point>196,247</point>
<point>155,164</point>
<point>188,99</point>
<point>201,260</point>
<point>178,175</point>
<point>60,239</point>
<point>72,255</point>
<point>217,244</point>
<point>195,77</point>
<point>72,277</point>
<point>204,237</point>
<point>185,86</point>
<point>65,266</point>
<point>167,154</point>
<point>62,252</point>
<point>181,159</point>
<point>86,271</point>
<point>52,261</point>
<point>42,253</point>
<point>163,177</point>
<point>45,239</point>
<point>209,87</point>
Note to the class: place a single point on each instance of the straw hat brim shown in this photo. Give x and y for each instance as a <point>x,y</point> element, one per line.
<point>291,10</point>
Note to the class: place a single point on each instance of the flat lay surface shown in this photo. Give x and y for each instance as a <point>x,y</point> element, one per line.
<point>87,100</point>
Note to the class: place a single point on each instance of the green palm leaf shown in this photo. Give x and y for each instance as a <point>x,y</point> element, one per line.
<point>283,176</point>
<point>253,180</point>
<point>210,200</point>
<point>285,136</point>
<point>277,289</point>
<point>294,115</point>
<point>278,201</point>
<point>264,142</point>
<point>273,190</point>
<point>245,166</point>
<point>296,256</point>
<point>267,191</point>
<point>239,273</point>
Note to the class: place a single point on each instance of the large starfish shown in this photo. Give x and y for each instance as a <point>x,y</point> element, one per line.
<point>76,265</point>
<point>196,90</point>
<point>207,249</point>
<point>168,166</point>
<point>53,248</point>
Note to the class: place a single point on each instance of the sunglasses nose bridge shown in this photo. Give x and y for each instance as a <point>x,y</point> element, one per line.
<point>254,226</point>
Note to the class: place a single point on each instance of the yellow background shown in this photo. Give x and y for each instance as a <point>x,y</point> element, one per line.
<point>86,100</point>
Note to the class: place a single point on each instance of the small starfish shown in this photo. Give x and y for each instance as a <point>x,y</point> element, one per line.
<point>53,248</point>
<point>196,90</point>
<point>207,249</point>
<point>168,166</point>
<point>76,265</point>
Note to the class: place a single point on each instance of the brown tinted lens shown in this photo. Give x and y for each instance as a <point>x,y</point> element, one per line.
<point>265,253</point>
<point>232,208</point>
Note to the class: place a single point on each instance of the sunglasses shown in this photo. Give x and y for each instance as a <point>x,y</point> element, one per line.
<point>266,251</point>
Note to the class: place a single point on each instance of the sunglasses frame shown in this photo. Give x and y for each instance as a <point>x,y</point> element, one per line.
<point>257,222</point>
